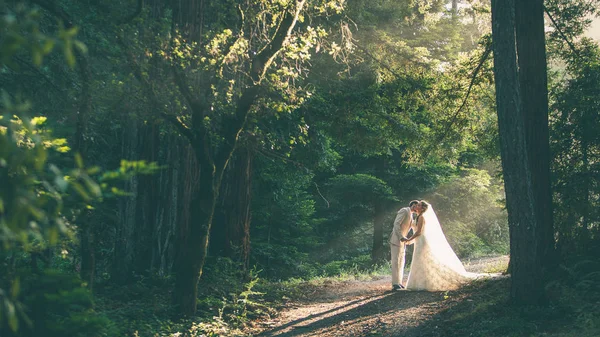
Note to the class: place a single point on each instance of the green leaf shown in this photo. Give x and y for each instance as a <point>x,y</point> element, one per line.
<point>36,56</point>
<point>81,191</point>
<point>15,289</point>
<point>13,323</point>
<point>48,46</point>
<point>53,235</point>
<point>80,46</point>
<point>71,32</point>
<point>68,52</point>
<point>78,160</point>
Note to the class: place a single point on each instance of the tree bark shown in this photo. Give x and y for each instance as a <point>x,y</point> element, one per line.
<point>526,286</point>
<point>234,213</point>
<point>454,9</point>
<point>193,239</point>
<point>533,85</point>
<point>86,234</point>
<point>147,199</point>
<point>124,252</point>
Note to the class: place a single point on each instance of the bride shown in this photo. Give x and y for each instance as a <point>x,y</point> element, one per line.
<point>435,266</point>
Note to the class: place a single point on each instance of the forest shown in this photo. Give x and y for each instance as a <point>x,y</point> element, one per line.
<point>200,168</point>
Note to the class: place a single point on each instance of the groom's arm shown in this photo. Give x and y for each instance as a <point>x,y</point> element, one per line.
<point>411,231</point>
<point>400,218</point>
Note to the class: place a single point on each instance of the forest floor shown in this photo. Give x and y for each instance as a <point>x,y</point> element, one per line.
<point>370,308</point>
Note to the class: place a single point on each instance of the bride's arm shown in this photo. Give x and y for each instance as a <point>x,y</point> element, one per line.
<point>418,232</point>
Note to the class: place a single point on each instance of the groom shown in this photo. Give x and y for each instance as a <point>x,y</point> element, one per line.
<point>402,225</point>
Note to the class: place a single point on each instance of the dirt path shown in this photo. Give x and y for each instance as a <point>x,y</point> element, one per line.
<point>365,309</point>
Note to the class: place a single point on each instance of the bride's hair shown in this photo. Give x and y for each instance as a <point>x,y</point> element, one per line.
<point>424,205</point>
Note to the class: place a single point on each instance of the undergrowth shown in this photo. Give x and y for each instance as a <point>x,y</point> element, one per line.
<point>484,309</point>
<point>229,307</point>
<point>226,305</point>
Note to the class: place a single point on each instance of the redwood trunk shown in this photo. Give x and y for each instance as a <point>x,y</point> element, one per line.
<point>526,287</point>
<point>531,48</point>
<point>193,239</point>
<point>86,235</point>
<point>147,201</point>
<point>234,210</point>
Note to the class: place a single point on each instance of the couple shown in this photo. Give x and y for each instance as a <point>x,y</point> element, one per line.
<point>434,266</point>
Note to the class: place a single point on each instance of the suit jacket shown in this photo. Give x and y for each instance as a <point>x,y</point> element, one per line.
<point>402,225</point>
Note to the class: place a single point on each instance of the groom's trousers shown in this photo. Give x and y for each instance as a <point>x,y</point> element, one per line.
<point>398,253</point>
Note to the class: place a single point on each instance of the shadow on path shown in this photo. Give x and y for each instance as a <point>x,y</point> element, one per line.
<point>357,317</point>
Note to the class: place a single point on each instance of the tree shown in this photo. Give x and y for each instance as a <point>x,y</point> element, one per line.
<point>233,214</point>
<point>222,81</point>
<point>194,240</point>
<point>526,282</point>
<point>357,199</point>
<point>575,147</point>
<point>533,86</point>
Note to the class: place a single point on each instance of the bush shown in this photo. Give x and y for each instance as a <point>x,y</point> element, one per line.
<point>57,305</point>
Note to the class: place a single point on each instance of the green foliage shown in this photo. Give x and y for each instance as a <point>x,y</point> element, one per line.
<point>571,20</point>
<point>471,213</point>
<point>574,90</point>
<point>575,143</point>
<point>40,201</point>
<point>338,138</point>
<point>355,266</point>
<point>225,304</point>
<point>35,206</point>
<point>57,304</point>
<point>21,33</point>
<point>354,200</point>
<point>283,220</point>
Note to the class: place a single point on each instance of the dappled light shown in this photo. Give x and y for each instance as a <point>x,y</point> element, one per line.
<point>299,168</point>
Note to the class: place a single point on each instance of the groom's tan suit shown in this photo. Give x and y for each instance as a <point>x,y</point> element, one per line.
<point>402,225</point>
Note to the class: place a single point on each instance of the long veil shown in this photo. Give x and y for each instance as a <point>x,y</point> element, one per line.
<point>438,243</point>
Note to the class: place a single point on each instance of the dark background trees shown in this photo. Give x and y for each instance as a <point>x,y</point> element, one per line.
<point>284,137</point>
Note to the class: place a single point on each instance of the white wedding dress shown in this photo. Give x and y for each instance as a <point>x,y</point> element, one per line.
<point>435,266</point>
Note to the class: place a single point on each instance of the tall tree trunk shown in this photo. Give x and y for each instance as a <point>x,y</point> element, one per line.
<point>194,235</point>
<point>86,235</point>
<point>172,198</point>
<point>531,50</point>
<point>526,287</point>
<point>587,184</point>
<point>147,200</point>
<point>454,9</point>
<point>195,238</point>
<point>124,252</point>
<point>232,224</point>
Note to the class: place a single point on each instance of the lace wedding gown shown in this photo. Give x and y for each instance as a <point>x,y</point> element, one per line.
<point>435,266</point>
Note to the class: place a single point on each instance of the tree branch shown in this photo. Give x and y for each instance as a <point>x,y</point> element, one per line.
<point>183,87</point>
<point>265,57</point>
<point>319,191</point>
<point>149,91</point>
<point>374,58</point>
<point>275,155</point>
<point>447,128</point>
<point>259,67</point>
<point>560,32</point>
